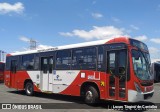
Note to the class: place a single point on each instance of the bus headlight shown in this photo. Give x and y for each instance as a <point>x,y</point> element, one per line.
<point>137,87</point>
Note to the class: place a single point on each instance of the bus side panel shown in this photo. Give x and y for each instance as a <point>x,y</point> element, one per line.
<point>103,85</point>
<point>7,79</point>
<point>74,87</point>
<point>99,78</point>
<point>17,80</point>
<point>21,77</point>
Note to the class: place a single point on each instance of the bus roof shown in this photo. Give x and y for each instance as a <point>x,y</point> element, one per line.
<point>85,44</point>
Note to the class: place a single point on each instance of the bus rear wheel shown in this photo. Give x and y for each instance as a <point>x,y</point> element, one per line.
<point>91,95</point>
<point>29,89</point>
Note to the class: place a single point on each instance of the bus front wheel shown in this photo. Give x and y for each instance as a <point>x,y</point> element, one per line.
<point>91,95</point>
<point>29,89</point>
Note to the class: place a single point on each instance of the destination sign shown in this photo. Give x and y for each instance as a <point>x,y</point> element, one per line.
<point>50,49</point>
<point>116,46</point>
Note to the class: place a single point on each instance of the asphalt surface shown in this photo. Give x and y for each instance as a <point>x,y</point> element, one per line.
<point>61,103</point>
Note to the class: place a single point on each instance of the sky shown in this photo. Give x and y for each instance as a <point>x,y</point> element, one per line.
<point>62,22</point>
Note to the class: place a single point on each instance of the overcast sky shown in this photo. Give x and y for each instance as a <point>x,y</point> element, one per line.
<point>61,22</point>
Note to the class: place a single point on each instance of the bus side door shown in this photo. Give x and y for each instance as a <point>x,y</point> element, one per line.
<point>117,69</point>
<point>47,73</point>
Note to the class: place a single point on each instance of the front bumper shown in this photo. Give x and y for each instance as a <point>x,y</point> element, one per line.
<point>134,96</point>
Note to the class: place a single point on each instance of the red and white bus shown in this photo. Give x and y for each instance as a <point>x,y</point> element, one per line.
<point>113,69</point>
<point>2,66</point>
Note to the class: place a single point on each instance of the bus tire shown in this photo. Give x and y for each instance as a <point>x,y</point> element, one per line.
<point>29,89</point>
<point>91,95</point>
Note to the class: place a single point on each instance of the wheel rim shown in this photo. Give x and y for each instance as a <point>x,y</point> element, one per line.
<point>29,89</point>
<point>89,95</point>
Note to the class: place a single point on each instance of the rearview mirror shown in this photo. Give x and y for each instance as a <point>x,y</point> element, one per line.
<point>137,56</point>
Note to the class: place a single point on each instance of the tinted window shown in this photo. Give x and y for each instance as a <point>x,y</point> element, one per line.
<point>51,62</point>
<point>8,62</point>
<point>77,60</point>
<point>13,66</point>
<point>112,63</point>
<point>100,61</point>
<point>63,59</point>
<point>84,58</point>
<point>27,62</point>
<point>44,66</point>
<point>122,62</point>
<point>36,60</point>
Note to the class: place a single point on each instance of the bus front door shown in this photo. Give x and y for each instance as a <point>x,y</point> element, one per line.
<point>117,69</point>
<point>46,73</point>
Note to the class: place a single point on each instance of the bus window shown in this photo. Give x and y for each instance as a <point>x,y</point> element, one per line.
<point>63,59</point>
<point>122,63</point>
<point>112,63</point>
<point>13,66</point>
<point>27,62</point>
<point>77,58</point>
<point>84,59</point>
<point>100,59</point>
<point>36,62</point>
<point>44,65</point>
<point>8,63</point>
<point>50,64</point>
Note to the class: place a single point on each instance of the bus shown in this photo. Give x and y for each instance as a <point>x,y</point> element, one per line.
<point>113,69</point>
<point>155,70</point>
<point>2,66</point>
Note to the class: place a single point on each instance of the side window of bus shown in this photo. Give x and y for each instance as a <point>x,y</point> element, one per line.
<point>112,63</point>
<point>89,58</point>
<point>77,59</point>
<point>8,63</point>
<point>51,62</point>
<point>84,59</point>
<point>27,62</point>
<point>63,59</point>
<point>36,60</point>
<point>100,61</point>
<point>14,66</point>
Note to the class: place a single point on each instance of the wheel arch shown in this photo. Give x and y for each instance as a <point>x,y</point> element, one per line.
<point>87,84</point>
<point>26,81</point>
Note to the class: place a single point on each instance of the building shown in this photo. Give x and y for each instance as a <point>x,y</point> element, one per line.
<point>2,56</point>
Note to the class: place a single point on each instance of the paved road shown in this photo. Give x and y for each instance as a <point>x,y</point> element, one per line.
<point>62,103</point>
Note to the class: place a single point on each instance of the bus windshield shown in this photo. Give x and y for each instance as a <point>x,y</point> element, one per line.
<point>141,65</point>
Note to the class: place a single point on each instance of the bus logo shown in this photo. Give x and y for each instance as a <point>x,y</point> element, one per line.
<point>57,78</point>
